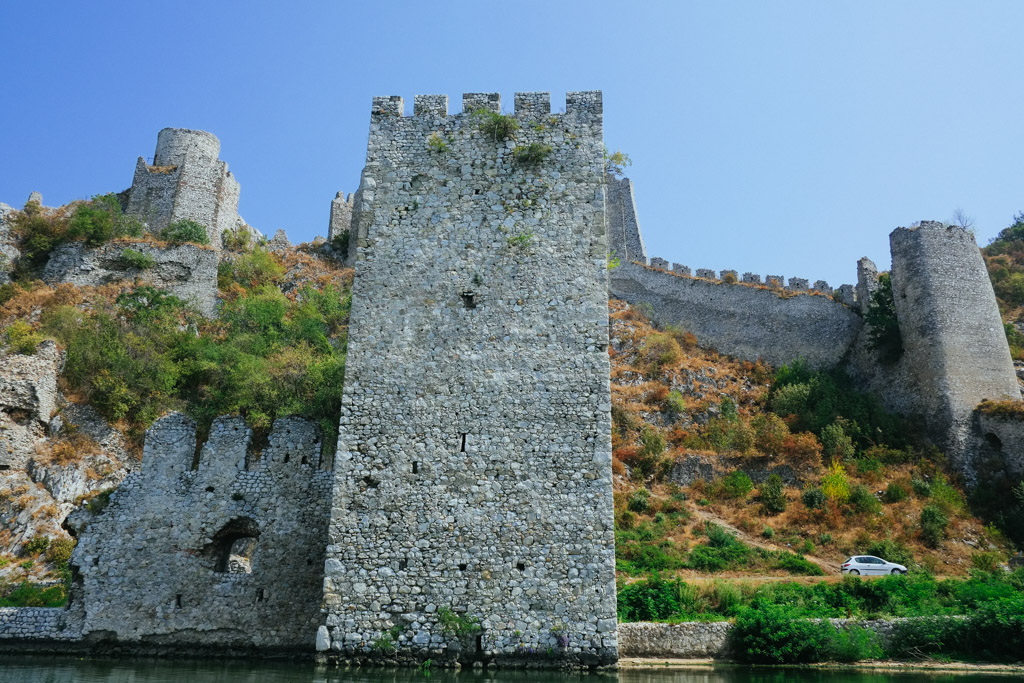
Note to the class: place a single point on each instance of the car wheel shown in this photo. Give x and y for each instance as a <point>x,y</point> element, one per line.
<point>897,571</point>
<point>855,572</point>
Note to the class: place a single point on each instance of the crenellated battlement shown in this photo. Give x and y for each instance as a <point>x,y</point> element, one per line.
<point>527,105</point>
<point>732,277</point>
<point>172,453</point>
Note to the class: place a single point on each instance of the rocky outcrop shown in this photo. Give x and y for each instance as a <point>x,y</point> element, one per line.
<point>188,271</point>
<point>9,252</point>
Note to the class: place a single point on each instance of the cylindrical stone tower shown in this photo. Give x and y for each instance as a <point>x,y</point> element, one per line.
<point>174,144</point>
<point>952,331</point>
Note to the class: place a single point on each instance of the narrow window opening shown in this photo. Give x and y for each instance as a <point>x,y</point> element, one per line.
<point>402,564</point>
<point>994,441</point>
<point>479,643</point>
<point>521,566</point>
<point>370,482</point>
<point>415,467</point>
<point>305,460</point>
<point>462,449</point>
<point>177,600</point>
<point>462,566</point>
<point>469,299</point>
<point>262,595</point>
<point>4,468</point>
<point>209,489</point>
<point>287,457</point>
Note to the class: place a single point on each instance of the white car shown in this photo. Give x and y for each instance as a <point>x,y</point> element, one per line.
<point>869,564</point>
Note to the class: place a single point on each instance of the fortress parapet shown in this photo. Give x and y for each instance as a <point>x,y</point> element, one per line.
<point>186,181</point>
<point>234,540</point>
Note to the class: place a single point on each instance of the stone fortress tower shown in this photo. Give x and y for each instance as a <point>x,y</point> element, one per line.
<point>473,473</point>
<point>186,181</point>
<point>952,331</point>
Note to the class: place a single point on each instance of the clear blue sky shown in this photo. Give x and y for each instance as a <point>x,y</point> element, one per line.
<point>777,137</point>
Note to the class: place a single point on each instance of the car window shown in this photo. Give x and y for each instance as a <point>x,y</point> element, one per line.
<point>860,560</point>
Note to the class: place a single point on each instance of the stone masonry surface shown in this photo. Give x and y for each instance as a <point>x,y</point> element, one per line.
<point>186,181</point>
<point>747,322</point>
<point>229,554</point>
<point>474,463</point>
<point>188,271</point>
<point>711,639</point>
<point>952,331</point>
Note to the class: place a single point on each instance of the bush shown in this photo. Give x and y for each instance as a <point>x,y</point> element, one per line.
<point>933,524</point>
<point>659,349</point>
<point>863,501</point>
<point>639,501</point>
<point>100,220</point>
<point>654,599</point>
<point>794,564</point>
<point>241,239</point>
<point>252,270</point>
<point>59,552</point>
<point>803,448</point>
<point>35,545</point>
<point>773,495</point>
<point>22,338</point>
<point>133,258</point>
<point>770,433</point>
<point>836,445</point>
<point>180,232</point>
<point>770,634</point>
<point>835,484</point>
<point>814,498</point>
<point>736,484</point>
<point>768,532</point>
<point>674,404</point>
<point>532,154</point>
<point>894,493</point>
<point>921,488</point>
<point>496,126</point>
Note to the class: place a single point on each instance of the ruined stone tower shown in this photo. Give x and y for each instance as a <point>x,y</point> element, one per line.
<point>473,474</point>
<point>952,332</point>
<point>186,181</point>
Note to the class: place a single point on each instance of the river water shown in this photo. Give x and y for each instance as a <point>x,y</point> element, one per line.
<point>50,670</point>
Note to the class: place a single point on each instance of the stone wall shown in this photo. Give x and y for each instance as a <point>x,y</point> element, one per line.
<point>624,238</point>
<point>953,336</point>
<point>341,215</point>
<point>228,553</point>
<point>188,271</point>
<point>39,623</point>
<point>474,458</point>
<point>746,322</point>
<point>998,441</point>
<point>185,181</point>
<point>711,639</point>
<point>9,252</point>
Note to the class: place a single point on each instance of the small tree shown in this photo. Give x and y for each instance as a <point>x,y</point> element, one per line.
<point>773,495</point>
<point>884,333</point>
<point>615,163</point>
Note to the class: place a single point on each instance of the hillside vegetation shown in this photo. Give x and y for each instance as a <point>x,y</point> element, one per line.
<point>1004,257</point>
<point>728,469</point>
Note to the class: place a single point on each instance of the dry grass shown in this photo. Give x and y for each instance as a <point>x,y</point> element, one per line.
<point>1013,409</point>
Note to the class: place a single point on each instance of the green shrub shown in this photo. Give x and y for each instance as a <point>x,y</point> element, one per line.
<point>458,625</point>
<point>639,501</point>
<point>814,498</point>
<point>933,524</point>
<point>22,338</point>
<point>532,154</point>
<point>59,551</point>
<point>654,599</point>
<point>652,445</point>
<point>35,545</point>
<point>794,564</point>
<point>921,488</point>
<point>945,495</point>
<point>835,484</point>
<point>768,532</point>
<point>835,443</point>
<point>255,269</point>
<point>770,634</point>
<point>241,239</point>
<point>894,493</point>
<point>736,484</point>
<point>659,349</point>
<point>133,258</point>
<point>185,230</point>
<point>496,126</point>
<point>101,220</point>
<point>674,404</point>
<point>773,495</point>
<point>863,501</point>
<point>27,594</point>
